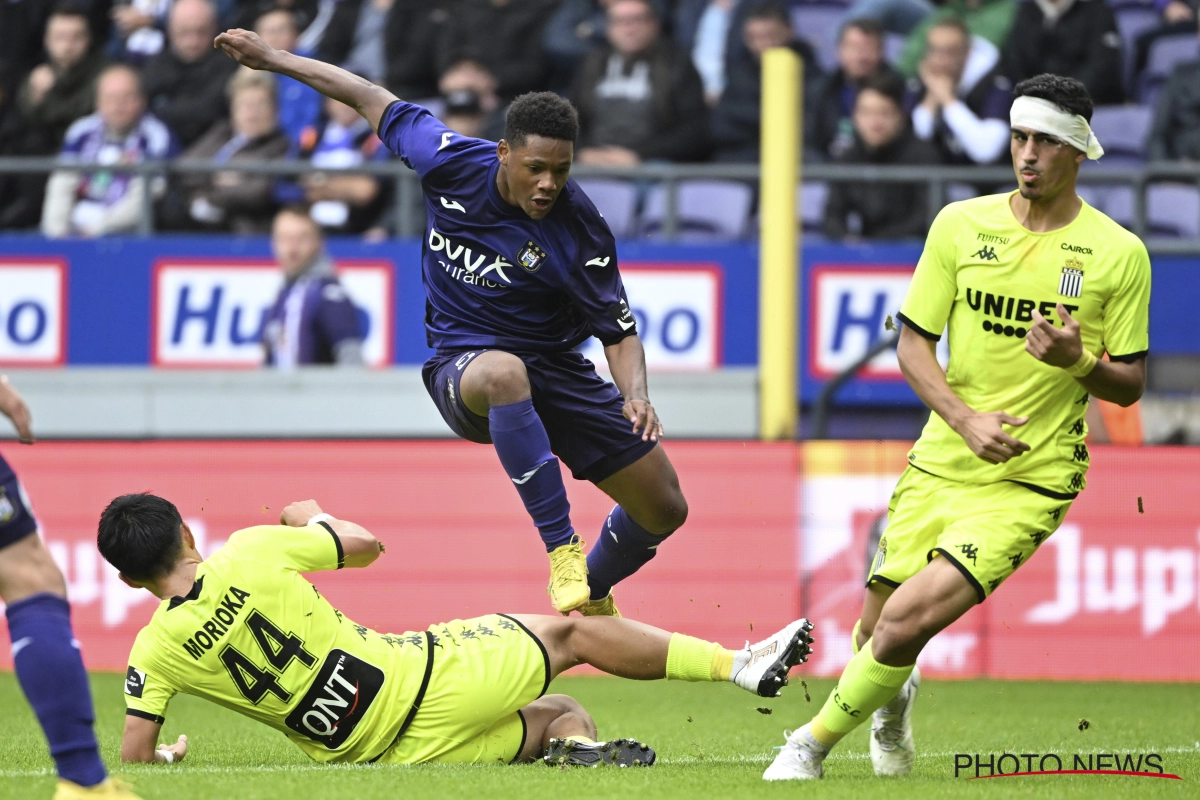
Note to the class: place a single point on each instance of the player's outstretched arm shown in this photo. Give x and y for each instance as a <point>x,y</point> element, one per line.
<point>369,100</point>
<point>359,547</point>
<point>13,407</point>
<point>982,431</point>
<point>140,745</point>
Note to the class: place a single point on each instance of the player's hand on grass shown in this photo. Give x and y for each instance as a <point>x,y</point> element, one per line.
<point>1058,347</point>
<point>177,751</point>
<point>644,419</point>
<point>299,513</point>
<point>984,434</point>
<point>15,409</point>
<point>246,48</point>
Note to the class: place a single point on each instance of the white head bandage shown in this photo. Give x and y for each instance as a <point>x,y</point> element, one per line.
<point>1046,117</point>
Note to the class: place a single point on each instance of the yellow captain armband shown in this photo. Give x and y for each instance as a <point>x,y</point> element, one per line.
<point>1082,367</point>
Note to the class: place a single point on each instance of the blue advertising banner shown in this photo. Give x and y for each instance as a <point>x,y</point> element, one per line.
<point>177,301</point>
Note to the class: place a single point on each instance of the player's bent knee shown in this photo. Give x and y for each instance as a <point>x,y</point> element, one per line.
<point>27,568</point>
<point>500,378</point>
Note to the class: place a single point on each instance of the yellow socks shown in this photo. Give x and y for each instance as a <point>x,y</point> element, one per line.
<point>692,659</point>
<point>865,685</point>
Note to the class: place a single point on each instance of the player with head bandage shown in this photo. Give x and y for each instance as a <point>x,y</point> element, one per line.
<point>1033,287</point>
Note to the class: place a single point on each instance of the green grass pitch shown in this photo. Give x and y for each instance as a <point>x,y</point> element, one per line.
<point>711,741</point>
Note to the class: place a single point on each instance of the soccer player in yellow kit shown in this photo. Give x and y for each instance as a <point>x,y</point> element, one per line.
<point>245,630</point>
<point>1034,285</point>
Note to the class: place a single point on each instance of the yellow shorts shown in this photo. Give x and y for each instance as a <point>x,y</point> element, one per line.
<point>986,530</point>
<point>484,671</point>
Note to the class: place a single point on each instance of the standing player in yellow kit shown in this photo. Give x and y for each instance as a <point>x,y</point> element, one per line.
<point>1035,286</point>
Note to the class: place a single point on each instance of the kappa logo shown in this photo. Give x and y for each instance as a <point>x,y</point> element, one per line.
<point>453,205</point>
<point>986,253</point>
<point>597,262</point>
<point>469,272</point>
<point>445,140</point>
<point>969,551</point>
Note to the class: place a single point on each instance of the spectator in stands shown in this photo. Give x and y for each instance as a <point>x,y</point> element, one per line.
<point>987,19</point>
<point>312,320</point>
<point>829,130</point>
<point>186,82</point>
<point>1175,134</point>
<point>304,13</point>
<point>881,136</point>
<point>96,203</point>
<point>354,39</point>
<point>341,203</point>
<point>709,30</point>
<point>465,82</point>
<point>1073,38</point>
<point>138,29</point>
<point>299,103</point>
<point>895,16</point>
<point>735,120</point>
<point>55,94</point>
<point>577,28</point>
<point>503,37</point>
<point>964,113</point>
<point>639,97</point>
<point>413,29</point>
<point>1178,16</point>
<point>233,200</point>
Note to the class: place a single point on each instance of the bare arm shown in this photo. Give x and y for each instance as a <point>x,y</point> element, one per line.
<point>140,743</point>
<point>982,431</point>
<point>1114,381</point>
<point>369,100</point>
<point>13,407</point>
<point>359,547</point>
<point>627,362</point>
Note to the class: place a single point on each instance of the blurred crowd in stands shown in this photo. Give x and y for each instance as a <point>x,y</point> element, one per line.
<point>103,82</point>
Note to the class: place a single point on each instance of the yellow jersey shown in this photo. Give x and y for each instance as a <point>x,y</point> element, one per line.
<point>983,274</point>
<point>256,637</point>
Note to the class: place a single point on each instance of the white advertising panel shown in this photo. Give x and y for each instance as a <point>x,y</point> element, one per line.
<point>32,312</point>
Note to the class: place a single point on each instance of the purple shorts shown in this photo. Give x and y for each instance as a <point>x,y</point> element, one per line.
<point>581,410</point>
<point>16,517</point>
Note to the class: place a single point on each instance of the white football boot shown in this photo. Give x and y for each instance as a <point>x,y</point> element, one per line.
<point>891,731</point>
<point>800,759</point>
<point>762,668</point>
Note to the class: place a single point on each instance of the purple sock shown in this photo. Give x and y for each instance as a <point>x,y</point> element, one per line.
<point>50,670</point>
<point>524,450</point>
<point>622,549</point>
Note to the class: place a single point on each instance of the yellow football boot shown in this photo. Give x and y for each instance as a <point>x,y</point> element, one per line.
<point>604,607</point>
<point>568,587</point>
<point>110,789</point>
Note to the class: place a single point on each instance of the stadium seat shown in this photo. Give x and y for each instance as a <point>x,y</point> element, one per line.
<point>1115,200</point>
<point>616,200</point>
<point>817,24</point>
<point>1165,54</point>
<point>1123,131</point>
<point>810,205</point>
<point>1173,210</point>
<point>708,210</point>
<point>1133,19</point>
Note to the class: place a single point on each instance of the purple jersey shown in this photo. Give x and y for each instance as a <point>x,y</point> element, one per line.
<point>310,318</point>
<point>494,278</point>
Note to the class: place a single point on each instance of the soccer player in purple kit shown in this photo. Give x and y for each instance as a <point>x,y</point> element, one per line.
<point>520,269</point>
<point>45,653</point>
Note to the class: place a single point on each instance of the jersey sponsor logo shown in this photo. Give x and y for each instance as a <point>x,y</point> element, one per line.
<point>986,253</point>
<point>445,140</point>
<point>337,700</point>
<point>623,316</point>
<point>531,257</point>
<point>1010,309</point>
<point>453,205</point>
<point>135,681</point>
<point>1073,248</point>
<point>469,271</point>
<point>204,639</point>
<point>1071,282</point>
<point>597,262</point>
<point>991,238</point>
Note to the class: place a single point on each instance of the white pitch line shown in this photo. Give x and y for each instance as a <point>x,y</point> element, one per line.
<point>759,758</point>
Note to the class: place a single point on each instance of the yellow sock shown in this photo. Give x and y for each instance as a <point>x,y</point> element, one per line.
<point>865,685</point>
<point>692,659</point>
<point>854,636</point>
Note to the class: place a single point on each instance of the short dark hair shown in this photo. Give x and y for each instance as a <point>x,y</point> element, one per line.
<point>955,23</point>
<point>540,114</point>
<point>864,25</point>
<point>769,9</point>
<point>71,8</point>
<point>888,84</point>
<point>1067,93</point>
<point>139,534</point>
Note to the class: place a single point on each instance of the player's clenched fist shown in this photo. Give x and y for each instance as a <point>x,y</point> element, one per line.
<point>299,513</point>
<point>246,48</point>
<point>984,434</point>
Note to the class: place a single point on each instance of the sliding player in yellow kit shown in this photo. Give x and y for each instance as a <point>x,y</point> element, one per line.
<point>245,630</point>
<point>1035,285</point>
